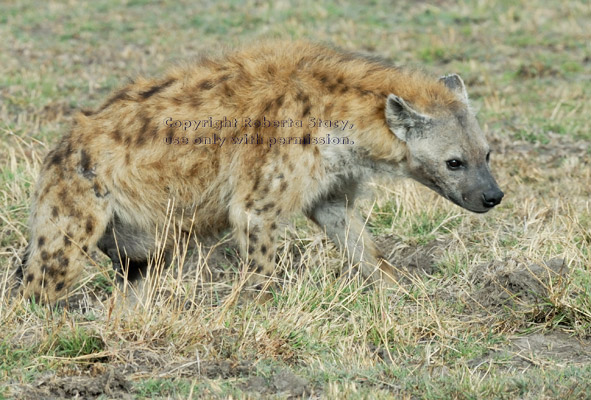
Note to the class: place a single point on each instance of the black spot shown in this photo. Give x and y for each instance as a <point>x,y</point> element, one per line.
<point>30,278</point>
<point>44,268</point>
<point>44,255</point>
<point>55,158</point>
<point>85,248</point>
<point>69,150</point>
<point>279,100</point>
<point>249,204</point>
<point>283,186</point>
<point>253,237</point>
<point>20,271</point>
<point>305,140</point>
<point>206,85</point>
<point>223,78</point>
<point>259,268</point>
<point>273,226</point>
<point>97,191</point>
<point>156,88</point>
<point>121,95</point>
<point>264,249</point>
<point>365,91</point>
<point>52,272</point>
<point>306,111</point>
<point>89,225</point>
<point>67,241</point>
<point>256,183</point>
<point>268,206</point>
<point>116,135</point>
<point>87,112</point>
<point>280,176</point>
<point>85,165</point>
<point>54,212</point>
<point>59,286</point>
<point>250,250</point>
<point>41,241</point>
<point>228,91</point>
<point>142,134</point>
<point>304,98</point>
<point>279,211</point>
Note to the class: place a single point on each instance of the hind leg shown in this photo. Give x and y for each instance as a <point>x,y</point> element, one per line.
<point>70,212</point>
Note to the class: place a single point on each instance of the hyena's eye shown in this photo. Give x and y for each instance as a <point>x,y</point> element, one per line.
<point>454,164</point>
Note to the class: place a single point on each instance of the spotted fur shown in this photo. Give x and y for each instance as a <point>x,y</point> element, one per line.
<point>109,181</point>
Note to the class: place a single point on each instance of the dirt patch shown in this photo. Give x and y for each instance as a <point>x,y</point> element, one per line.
<point>111,383</point>
<point>420,259</point>
<point>537,350</point>
<point>282,383</point>
<point>516,284</point>
<point>223,369</point>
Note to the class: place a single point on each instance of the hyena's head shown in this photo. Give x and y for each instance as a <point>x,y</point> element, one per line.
<point>447,151</point>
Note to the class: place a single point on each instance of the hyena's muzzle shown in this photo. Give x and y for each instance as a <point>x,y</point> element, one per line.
<point>478,193</point>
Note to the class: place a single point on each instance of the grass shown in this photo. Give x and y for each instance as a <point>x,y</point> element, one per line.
<point>466,301</point>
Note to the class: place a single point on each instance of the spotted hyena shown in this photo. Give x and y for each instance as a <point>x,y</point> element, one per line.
<point>244,141</point>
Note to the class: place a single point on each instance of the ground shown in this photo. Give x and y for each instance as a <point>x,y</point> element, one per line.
<point>486,306</point>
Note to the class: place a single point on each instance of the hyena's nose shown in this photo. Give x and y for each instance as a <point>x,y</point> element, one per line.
<point>492,197</point>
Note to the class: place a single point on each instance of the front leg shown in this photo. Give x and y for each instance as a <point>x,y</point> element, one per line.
<point>335,214</point>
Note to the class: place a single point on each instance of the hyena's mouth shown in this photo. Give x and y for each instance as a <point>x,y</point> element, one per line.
<point>458,202</point>
<point>469,207</point>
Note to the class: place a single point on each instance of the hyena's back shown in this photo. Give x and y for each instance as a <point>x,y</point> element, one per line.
<point>110,181</point>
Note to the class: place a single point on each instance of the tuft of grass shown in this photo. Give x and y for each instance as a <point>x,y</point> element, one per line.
<point>72,343</point>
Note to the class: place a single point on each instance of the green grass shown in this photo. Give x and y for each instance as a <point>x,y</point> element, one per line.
<point>151,388</point>
<point>15,360</point>
<point>74,343</point>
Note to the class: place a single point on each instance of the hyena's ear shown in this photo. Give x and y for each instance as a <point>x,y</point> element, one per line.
<point>402,119</point>
<point>456,85</point>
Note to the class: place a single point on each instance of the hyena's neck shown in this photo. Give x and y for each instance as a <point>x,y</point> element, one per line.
<point>354,89</point>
